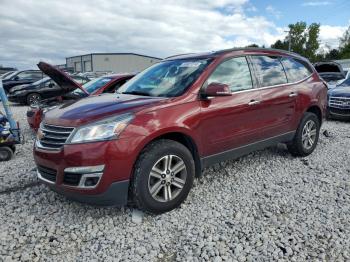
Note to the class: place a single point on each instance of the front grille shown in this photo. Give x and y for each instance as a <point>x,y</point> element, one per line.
<point>337,111</point>
<point>47,173</point>
<point>54,137</point>
<point>71,179</point>
<point>339,102</point>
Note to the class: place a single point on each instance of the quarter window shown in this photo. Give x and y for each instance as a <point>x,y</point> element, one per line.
<point>235,73</point>
<point>296,70</point>
<point>269,70</point>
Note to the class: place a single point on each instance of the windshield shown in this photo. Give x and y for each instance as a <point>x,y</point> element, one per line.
<point>346,82</point>
<point>94,85</point>
<point>167,79</point>
<point>39,82</point>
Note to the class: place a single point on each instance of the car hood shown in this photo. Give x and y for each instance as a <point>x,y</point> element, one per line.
<point>94,108</point>
<point>342,91</point>
<point>61,78</point>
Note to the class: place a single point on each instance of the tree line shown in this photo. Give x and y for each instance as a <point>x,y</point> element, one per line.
<point>305,41</point>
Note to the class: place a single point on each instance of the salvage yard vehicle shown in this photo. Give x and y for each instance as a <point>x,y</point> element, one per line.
<point>146,144</point>
<point>331,72</point>
<point>20,78</point>
<point>339,101</point>
<point>32,94</point>
<point>70,90</point>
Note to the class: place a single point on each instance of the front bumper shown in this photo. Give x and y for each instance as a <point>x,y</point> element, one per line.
<point>339,113</point>
<point>115,195</point>
<point>117,156</point>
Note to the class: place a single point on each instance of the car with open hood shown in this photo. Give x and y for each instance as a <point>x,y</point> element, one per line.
<point>331,72</point>
<point>32,94</point>
<point>146,143</point>
<point>339,101</point>
<point>70,90</point>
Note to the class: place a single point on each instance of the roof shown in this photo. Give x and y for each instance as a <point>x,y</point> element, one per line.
<point>224,51</point>
<point>91,54</point>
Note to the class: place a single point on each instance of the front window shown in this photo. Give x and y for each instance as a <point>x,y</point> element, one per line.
<point>94,85</point>
<point>166,79</point>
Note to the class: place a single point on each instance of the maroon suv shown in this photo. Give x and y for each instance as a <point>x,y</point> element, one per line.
<point>146,143</point>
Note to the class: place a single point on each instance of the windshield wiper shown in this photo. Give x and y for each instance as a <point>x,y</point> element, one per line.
<point>140,93</point>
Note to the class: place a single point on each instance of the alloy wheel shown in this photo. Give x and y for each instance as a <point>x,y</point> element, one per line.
<point>34,99</point>
<point>167,178</point>
<point>309,134</point>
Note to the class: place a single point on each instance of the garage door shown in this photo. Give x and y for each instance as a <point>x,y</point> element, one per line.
<point>87,66</point>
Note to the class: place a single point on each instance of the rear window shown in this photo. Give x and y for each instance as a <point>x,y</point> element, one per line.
<point>269,70</point>
<point>296,70</point>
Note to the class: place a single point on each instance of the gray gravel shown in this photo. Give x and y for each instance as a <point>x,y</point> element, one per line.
<point>261,207</point>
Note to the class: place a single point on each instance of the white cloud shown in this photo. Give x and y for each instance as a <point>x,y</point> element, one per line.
<point>316,3</point>
<point>273,11</point>
<point>329,35</point>
<point>53,30</point>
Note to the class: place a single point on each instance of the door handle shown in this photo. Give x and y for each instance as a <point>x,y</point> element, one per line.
<point>254,102</point>
<point>293,94</point>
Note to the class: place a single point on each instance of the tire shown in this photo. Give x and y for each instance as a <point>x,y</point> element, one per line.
<point>299,146</point>
<point>33,99</point>
<point>153,158</point>
<point>6,153</point>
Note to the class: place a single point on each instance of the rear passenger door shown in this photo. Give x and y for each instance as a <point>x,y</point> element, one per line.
<point>278,99</point>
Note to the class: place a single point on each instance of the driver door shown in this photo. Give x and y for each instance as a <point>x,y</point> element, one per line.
<point>230,122</point>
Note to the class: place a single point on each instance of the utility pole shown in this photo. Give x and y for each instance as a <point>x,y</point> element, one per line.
<point>289,40</point>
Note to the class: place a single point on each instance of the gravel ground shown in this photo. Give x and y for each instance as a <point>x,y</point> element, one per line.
<point>261,207</point>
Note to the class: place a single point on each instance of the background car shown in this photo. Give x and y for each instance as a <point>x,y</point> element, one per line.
<point>21,77</point>
<point>32,94</point>
<point>6,74</point>
<point>71,90</point>
<point>331,72</point>
<point>339,101</point>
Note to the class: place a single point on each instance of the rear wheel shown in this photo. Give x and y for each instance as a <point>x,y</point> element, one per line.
<point>33,99</point>
<point>306,136</point>
<point>163,176</point>
<point>6,153</point>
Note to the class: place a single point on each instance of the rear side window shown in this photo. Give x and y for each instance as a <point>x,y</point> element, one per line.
<point>269,70</point>
<point>296,70</point>
<point>234,72</point>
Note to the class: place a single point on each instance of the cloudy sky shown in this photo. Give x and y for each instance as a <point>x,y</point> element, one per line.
<point>50,30</point>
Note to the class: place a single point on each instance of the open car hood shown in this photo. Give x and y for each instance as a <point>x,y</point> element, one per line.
<point>61,78</point>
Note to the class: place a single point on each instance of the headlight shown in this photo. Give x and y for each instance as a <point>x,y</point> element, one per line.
<point>106,129</point>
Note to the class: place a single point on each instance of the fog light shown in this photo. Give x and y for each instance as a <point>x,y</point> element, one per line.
<point>91,181</point>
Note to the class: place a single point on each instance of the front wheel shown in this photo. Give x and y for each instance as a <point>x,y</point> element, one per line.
<point>306,136</point>
<point>33,99</point>
<point>163,176</point>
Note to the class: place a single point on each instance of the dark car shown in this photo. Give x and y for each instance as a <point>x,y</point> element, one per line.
<point>339,101</point>
<point>71,90</point>
<point>146,143</point>
<point>331,72</point>
<point>20,78</point>
<point>32,94</point>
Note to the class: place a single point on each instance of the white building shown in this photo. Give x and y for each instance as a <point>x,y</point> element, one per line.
<point>110,62</point>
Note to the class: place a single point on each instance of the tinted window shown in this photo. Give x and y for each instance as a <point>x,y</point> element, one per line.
<point>24,75</point>
<point>37,75</point>
<point>234,72</point>
<point>296,70</point>
<point>269,70</point>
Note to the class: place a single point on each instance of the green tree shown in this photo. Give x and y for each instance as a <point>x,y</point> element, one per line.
<point>304,40</point>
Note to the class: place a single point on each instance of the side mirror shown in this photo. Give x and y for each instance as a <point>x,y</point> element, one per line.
<point>15,78</point>
<point>51,85</point>
<point>217,89</point>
